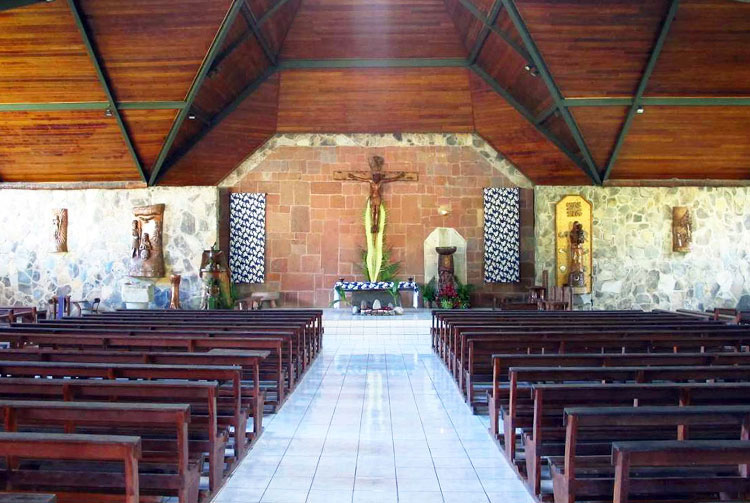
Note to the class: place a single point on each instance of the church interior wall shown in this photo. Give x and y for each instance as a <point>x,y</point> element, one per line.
<point>633,262</point>
<point>315,230</point>
<point>99,243</point>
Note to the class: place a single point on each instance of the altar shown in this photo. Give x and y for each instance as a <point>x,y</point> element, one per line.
<point>358,286</point>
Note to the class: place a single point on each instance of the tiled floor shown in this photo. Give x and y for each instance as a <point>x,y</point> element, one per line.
<point>376,418</point>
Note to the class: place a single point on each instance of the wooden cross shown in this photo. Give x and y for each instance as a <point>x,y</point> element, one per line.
<point>376,178</point>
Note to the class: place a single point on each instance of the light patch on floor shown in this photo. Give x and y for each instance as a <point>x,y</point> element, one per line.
<point>377,418</point>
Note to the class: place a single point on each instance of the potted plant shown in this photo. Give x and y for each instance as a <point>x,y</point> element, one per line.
<point>429,293</point>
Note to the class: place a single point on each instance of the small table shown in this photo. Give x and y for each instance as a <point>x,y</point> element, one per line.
<point>359,286</point>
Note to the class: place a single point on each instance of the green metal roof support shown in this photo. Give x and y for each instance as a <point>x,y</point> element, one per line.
<point>195,87</point>
<point>270,12</point>
<point>216,120</point>
<point>491,26</point>
<point>90,105</point>
<point>642,85</point>
<point>590,166</point>
<point>252,23</point>
<point>527,115</point>
<point>14,4</point>
<point>482,38</point>
<point>293,64</point>
<point>111,104</point>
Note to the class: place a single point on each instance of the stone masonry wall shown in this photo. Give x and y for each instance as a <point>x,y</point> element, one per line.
<point>98,242</point>
<point>634,266</point>
<point>314,224</point>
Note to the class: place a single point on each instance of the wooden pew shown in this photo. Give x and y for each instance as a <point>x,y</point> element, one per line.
<point>231,375</point>
<point>606,374</point>
<point>166,467</point>
<point>499,393</point>
<point>157,342</point>
<point>210,419</point>
<point>540,420</point>
<point>627,456</point>
<point>592,477</point>
<point>70,447</point>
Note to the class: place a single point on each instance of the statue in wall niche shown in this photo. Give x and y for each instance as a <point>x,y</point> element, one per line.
<point>577,238</point>
<point>682,229</point>
<point>146,254</point>
<point>60,229</point>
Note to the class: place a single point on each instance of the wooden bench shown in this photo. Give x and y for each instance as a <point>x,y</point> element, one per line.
<point>675,456</point>
<point>591,477</point>
<point>210,417</point>
<point>70,447</point>
<point>166,467</point>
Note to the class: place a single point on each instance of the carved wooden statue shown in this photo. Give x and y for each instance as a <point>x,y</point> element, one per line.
<point>577,239</point>
<point>376,179</point>
<point>146,254</point>
<point>682,229</point>
<point>60,228</point>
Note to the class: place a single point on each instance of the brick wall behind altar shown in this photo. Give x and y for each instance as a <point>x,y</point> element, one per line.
<point>314,224</point>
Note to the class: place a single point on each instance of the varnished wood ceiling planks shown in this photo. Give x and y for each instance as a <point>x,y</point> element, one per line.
<point>148,129</point>
<point>595,47</point>
<point>467,25</point>
<point>152,49</point>
<point>42,57</point>
<point>373,29</point>
<point>234,139</point>
<point>62,147</point>
<point>375,100</point>
<point>275,30</point>
<point>687,142</point>
<point>511,135</point>
<point>707,52</point>
<point>600,126</point>
<point>506,66</point>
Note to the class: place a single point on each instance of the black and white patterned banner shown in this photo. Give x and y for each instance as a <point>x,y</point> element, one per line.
<point>502,240</point>
<point>247,237</point>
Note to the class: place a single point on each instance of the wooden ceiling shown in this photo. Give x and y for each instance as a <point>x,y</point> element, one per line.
<point>179,92</point>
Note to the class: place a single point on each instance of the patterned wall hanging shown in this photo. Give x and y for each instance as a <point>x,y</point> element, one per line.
<point>247,237</point>
<point>502,242</point>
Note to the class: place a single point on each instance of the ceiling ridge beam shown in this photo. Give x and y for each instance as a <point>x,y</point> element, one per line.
<point>252,23</point>
<point>218,118</point>
<point>104,81</point>
<point>497,6</point>
<point>590,167</point>
<point>195,87</point>
<point>577,160</point>
<point>294,64</point>
<point>490,25</point>
<point>653,58</point>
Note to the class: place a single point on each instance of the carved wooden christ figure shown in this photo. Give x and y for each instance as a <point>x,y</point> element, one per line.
<point>376,179</point>
<point>146,254</point>
<point>682,229</point>
<point>60,228</point>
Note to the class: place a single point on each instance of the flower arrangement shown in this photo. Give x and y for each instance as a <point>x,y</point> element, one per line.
<point>452,297</point>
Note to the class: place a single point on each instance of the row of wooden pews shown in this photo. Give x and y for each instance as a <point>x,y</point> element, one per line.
<point>161,403</point>
<point>609,406</point>
<point>17,314</point>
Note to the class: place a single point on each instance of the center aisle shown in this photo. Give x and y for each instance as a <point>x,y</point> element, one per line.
<point>377,418</point>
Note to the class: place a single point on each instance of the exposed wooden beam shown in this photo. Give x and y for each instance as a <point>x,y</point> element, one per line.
<point>656,51</point>
<point>91,105</point>
<point>292,64</point>
<point>111,103</point>
<point>527,115</point>
<point>590,165</point>
<point>482,38</point>
<point>218,118</point>
<point>195,87</point>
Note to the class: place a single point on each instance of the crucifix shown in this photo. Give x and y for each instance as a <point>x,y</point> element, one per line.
<point>376,178</point>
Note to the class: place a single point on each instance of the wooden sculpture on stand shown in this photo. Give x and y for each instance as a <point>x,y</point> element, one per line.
<point>146,254</point>
<point>682,229</point>
<point>175,299</point>
<point>573,246</point>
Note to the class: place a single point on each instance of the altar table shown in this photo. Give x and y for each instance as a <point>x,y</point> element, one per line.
<point>359,286</point>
